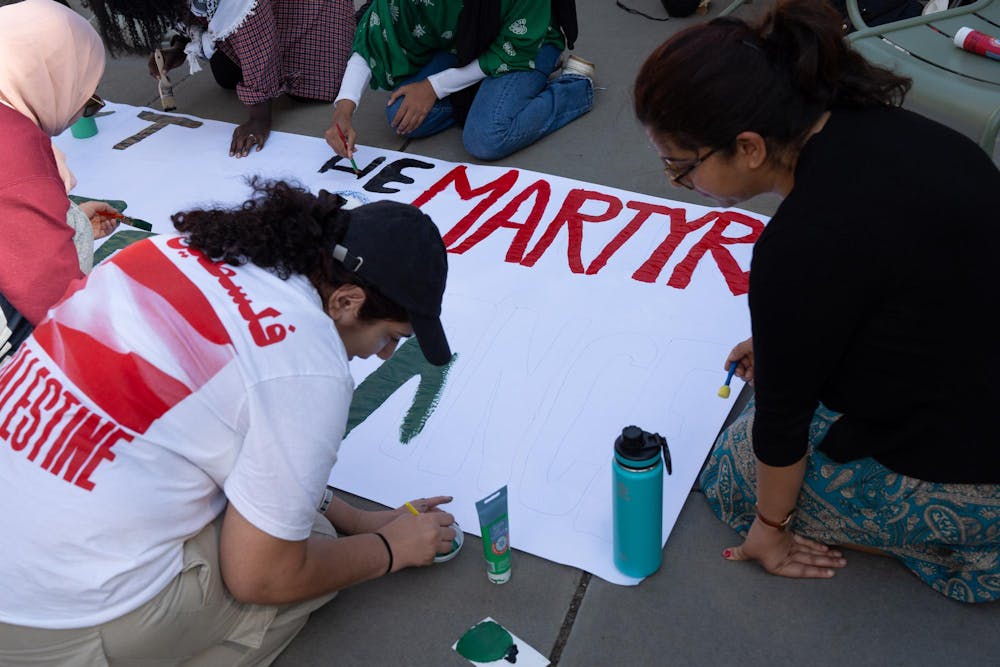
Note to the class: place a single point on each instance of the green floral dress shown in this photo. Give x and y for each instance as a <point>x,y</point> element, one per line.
<point>398,37</point>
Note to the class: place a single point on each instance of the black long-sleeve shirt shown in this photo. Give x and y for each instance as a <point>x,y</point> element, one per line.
<point>873,290</point>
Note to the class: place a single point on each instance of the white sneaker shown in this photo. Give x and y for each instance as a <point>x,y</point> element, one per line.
<point>577,65</point>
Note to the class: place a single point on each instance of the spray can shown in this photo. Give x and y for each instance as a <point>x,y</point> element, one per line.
<point>637,483</point>
<point>978,42</point>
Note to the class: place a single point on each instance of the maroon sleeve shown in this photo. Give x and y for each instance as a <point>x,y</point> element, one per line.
<point>37,257</point>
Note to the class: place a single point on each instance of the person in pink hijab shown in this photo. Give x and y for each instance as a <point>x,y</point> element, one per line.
<point>51,61</point>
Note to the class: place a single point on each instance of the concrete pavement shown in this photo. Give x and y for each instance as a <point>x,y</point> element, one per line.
<point>698,609</point>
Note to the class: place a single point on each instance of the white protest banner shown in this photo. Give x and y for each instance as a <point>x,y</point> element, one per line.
<point>574,310</point>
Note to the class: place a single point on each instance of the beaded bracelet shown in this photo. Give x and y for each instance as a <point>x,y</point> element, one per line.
<point>388,550</point>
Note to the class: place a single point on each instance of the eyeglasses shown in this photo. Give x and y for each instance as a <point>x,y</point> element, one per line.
<point>93,105</point>
<point>678,176</point>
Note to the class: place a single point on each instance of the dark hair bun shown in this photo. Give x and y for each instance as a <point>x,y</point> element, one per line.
<point>713,80</point>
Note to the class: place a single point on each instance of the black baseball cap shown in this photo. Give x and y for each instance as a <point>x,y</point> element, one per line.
<point>398,249</point>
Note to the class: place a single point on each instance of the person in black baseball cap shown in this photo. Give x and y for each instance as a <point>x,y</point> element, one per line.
<point>237,332</point>
<point>397,249</point>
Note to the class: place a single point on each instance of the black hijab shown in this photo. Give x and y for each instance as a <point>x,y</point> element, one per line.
<point>478,27</point>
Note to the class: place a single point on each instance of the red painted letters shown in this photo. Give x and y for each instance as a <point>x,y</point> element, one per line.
<point>464,235</point>
<point>75,441</point>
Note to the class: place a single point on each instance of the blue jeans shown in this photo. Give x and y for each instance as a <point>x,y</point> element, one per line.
<point>440,116</point>
<point>510,111</point>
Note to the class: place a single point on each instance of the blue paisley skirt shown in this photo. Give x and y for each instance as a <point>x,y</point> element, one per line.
<point>946,534</point>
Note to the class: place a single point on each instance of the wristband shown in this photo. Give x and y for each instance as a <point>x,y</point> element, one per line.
<point>327,499</point>
<point>388,550</point>
<point>782,525</point>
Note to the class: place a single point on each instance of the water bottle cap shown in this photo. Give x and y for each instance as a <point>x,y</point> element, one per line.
<point>632,437</point>
<point>634,444</point>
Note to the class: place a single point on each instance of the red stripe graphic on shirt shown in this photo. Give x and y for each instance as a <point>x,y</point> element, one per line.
<point>178,326</point>
<point>48,425</point>
<point>130,389</point>
<point>148,266</point>
<point>260,326</point>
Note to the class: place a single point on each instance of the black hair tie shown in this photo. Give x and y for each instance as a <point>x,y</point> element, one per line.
<point>388,550</point>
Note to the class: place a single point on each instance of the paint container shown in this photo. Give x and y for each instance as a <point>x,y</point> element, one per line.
<point>84,128</point>
<point>978,42</point>
<point>495,532</point>
<point>456,545</point>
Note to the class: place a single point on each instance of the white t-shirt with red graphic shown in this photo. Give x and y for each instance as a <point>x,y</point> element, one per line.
<point>166,386</point>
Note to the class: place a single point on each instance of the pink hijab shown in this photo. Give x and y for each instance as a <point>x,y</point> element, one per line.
<point>51,61</point>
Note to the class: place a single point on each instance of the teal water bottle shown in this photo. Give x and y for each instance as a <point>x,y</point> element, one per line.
<point>637,483</point>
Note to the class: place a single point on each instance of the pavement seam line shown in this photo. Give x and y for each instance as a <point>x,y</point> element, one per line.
<point>567,624</point>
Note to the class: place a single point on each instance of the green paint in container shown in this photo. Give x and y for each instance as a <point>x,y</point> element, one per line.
<point>84,128</point>
<point>456,545</point>
<point>495,532</point>
<point>456,542</point>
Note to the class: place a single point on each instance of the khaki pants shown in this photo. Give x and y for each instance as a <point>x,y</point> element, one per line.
<point>192,622</point>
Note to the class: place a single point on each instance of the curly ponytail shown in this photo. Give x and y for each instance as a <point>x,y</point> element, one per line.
<point>712,81</point>
<point>287,229</point>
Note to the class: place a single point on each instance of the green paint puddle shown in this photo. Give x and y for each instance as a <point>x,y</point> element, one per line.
<point>407,362</point>
<point>486,642</point>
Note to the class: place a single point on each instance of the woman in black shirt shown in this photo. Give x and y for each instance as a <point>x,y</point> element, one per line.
<point>871,298</point>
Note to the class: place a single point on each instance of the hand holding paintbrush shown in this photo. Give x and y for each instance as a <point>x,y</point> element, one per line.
<point>350,154</point>
<point>340,141</point>
<point>739,363</point>
<point>724,389</point>
<point>164,86</point>
<point>132,222</point>
<point>103,217</point>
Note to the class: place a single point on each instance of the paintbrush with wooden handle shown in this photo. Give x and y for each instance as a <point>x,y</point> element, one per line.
<point>163,84</point>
